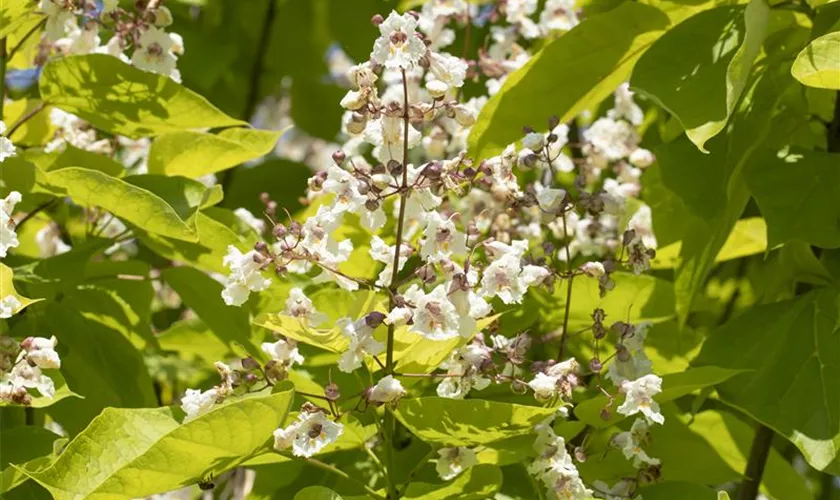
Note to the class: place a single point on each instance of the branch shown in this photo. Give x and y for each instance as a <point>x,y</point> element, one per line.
<point>256,71</point>
<point>759,451</point>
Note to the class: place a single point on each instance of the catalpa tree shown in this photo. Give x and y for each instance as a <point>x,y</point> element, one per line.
<point>441,249</point>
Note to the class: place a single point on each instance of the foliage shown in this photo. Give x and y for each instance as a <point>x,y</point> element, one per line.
<point>507,249</point>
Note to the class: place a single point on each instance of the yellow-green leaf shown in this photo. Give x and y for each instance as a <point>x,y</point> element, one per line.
<point>194,154</point>
<point>818,65</point>
<point>122,99</point>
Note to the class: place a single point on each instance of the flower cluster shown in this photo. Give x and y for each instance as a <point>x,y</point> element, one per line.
<point>21,368</point>
<point>73,28</point>
<point>456,239</point>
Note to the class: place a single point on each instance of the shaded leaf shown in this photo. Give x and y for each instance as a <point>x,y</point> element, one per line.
<point>793,351</point>
<point>797,191</point>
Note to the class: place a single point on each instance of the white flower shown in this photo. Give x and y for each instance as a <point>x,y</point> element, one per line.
<point>593,269</point>
<point>361,343</point>
<point>8,306</point>
<point>463,371</point>
<point>642,158</point>
<point>195,402</point>
<point>387,390</point>
<point>308,435</point>
<point>435,316</point>
<point>49,241</point>
<point>298,305</point>
<point>155,53</point>
<point>558,15</point>
<point>443,240</point>
<point>518,12</point>
<point>544,387</point>
<point>642,224</point>
<point>41,351</point>
<point>248,218</point>
<point>640,394</point>
<point>8,237</point>
<point>245,276</point>
<point>534,141</point>
<point>398,316</point>
<point>382,252</point>
<point>57,18</point>
<point>616,139</point>
<point>113,47</point>
<point>447,72</point>
<point>31,377</point>
<point>625,107</point>
<point>550,199</point>
<point>7,148</point>
<point>505,277</point>
<point>398,46</point>
<point>79,40</point>
<point>454,461</point>
<point>284,351</point>
<point>631,443</point>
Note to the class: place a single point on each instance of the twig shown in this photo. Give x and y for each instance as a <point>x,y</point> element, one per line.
<point>563,336</point>
<point>256,71</point>
<point>25,118</point>
<point>759,452</point>
<point>19,45</point>
<point>35,212</point>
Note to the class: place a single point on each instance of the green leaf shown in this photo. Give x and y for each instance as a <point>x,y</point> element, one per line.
<point>797,191</point>
<point>285,180</point>
<point>192,339</point>
<point>634,299</point>
<point>167,213</point>
<point>476,483</point>
<point>100,364</point>
<point>215,233</point>
<point>697,198</point>
<point>28,445</point>
<point>674,385</point>
<point>748,237</point>
<point>818,65</point>
<point>203,294</point>
<point>594,58</point>
<point>75,157</point>
<point>317,493</point>
<point>134,453</point>
<point>121,99</point>
<point>793,351</point>
<point>671,490</point>
<point>7,289</point>
<point>719,444</point>
<point>335,303</point>
<point>194,154</point>
<point>702,86</point>
<point>468,422</point>
<point>14,14</point>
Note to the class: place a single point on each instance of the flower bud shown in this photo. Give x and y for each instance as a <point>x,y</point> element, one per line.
<point>595,365</point>
<point>519,387</point>
<point>331,392</point>
<point>339,157</point>
<point>279,231</point>
<point>249,363</point>
<point>395,168</point>
<point>377,19</point>
<point>553,121</point>
<point>433,170</point>
<point>605,414</point>
<point>371,205</point>
<point>374,319</point>
<point>622,354</point>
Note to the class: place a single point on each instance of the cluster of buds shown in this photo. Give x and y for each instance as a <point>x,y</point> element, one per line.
<point>22,365</point>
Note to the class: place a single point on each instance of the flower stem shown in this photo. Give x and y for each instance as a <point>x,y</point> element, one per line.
<point>389,422</point>
<point>563,336</point>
